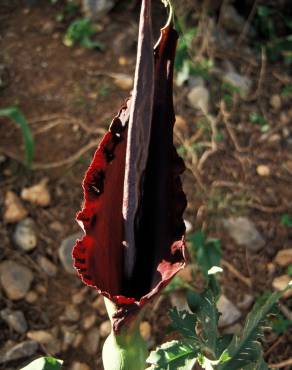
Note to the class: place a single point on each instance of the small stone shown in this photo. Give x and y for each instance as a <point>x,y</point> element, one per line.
<point>25,235</point>
<point>284,257</point>
<point>281,283</point>
<point>198,98</point>
<point>263,170</point>
<point>274,139</point>
<point>79,366</point>
<point>14,210</point>
<point>78,340</point>
<point>47,28</point>
<point>15,279</point>
<point>31,297</point>
<point>233,329</point>
<point>56,226</point>
<point>65,252</point>
<point>271,268</point>
<point>98,8</point>
<point>91,341</point>
<point>88,321</point>
<point>246,302</point>
<point>145,330</point>
<point>123,61</point>
<point>178,299</point>
<point>15,320</point>
<point>78,298</point>
<point>68,340</point>
<point>98,304</point>
<point>105,329</point>
<point>284,118</point>
<point>244,233</point>
<point>276,102</point>
<point>229,312</point>
<point>71,314</point>
<point>242,83</point>
<point>18,351</point>
<point>47,266</point>
<point>123,81</point>
<point>231,19</point>
<point>37,194</point>
<point>40,336</point>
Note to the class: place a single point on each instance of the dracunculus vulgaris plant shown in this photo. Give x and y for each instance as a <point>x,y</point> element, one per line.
<point>133,201</point>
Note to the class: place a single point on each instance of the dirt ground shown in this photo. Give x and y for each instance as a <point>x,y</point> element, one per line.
<point>75,91</point>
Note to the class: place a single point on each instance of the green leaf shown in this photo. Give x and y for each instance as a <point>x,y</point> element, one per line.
<point>176,283</point>
<point>280,325</point>
<point>16,115</point>
<point>174,355</point>
<point>205,309</point>
<point>183,322</point>
<point>245,349</point>
<point>259,365</point>
<point>286,220</point>
<point>44,363</point>
<point>257,119</point>
<point>208,252</point>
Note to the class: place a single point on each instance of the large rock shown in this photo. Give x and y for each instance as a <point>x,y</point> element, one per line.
<point>15,279</point>
<point>25,235</point>
<point>65,251</point>
<point>229,312</point>
<point>244,233</point>
<point>21,350</point>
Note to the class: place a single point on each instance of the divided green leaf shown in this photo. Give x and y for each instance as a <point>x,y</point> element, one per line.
<point>44,363</point>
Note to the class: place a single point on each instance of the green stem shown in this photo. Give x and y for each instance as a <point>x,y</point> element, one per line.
<point>125,350</point>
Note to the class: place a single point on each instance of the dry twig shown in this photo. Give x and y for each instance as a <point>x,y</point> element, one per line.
<point>247,281</point>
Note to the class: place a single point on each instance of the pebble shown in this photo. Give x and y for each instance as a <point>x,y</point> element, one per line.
<point>231,19</point>
<point>15,279</point>
<point>229,312</point>
<point>71,313</point>
<point>79,366</point>
<point>98,8</point>
<point>68,340</point>
<point>276,102</point>
<point>105,329</point>
<point>47,266</point>
<point>233,329</point>
<point>123,81</point>
<point>22,350</point>
<point>198,98</point>
<point>25,235</point>
<point>40,336</point>
<point>178,299</point>
<point>241,82</point>
<point>263,170</point>
<point>91,341</point>
<point>37,194</point>
<point>280,283</point>
<point>246,302</point>
<point>284,257</point>
<point>15,320</point>
<point>79,297</point>
<point>98,304</point>
<point>31,297</point>
<point>65,252</point>
<point>243,231</point>
<point>88,321</point>
<point>14,210</point>
<point>145,330</point>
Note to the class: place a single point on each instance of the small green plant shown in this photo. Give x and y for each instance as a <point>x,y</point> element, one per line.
<point>81,31</point>
<point>17,116</point>
<point>286,220</point>
<point>258,119</point>
<point>280,325</point>
<point>289,270</point>
<point>287,91</point>
<point>44,363</point>
<point>276,46</point>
